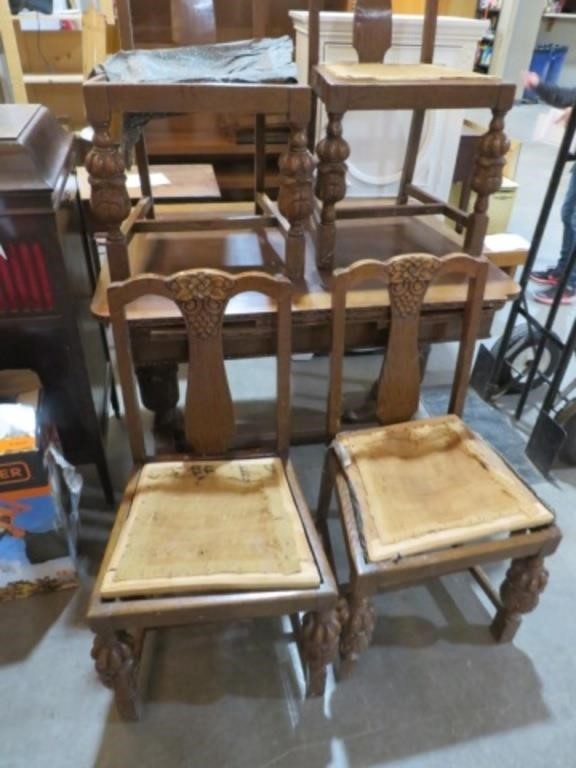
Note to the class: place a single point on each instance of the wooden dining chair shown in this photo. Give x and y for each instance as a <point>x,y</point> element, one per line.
<point>285,98</point>
<point>422,498</point>
<point>370,84</point>
<point>211,535</point>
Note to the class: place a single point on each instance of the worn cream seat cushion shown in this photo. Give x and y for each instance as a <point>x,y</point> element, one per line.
<point>386,73</point>
<point>207,526</point>
<point>423,485</point>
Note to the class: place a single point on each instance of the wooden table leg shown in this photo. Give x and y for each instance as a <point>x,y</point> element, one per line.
<point>332,151</point>
<point>159,392</point>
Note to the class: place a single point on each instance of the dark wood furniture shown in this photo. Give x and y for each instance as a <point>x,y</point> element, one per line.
<point>110,202</point>
<point>424,498</point>
<point>46,282</point>
<point>159,336</point>
<point>209,535</point>
<point>372,85</point>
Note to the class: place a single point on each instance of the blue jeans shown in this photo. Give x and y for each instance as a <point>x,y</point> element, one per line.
<point>569,221</point>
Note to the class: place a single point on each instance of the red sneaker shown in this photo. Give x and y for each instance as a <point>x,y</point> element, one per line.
<point>545,276</point>
<point>548,295</point>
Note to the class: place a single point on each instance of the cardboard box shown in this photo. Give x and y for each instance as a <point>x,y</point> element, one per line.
<point>39,494</point>
<point>500,208</point>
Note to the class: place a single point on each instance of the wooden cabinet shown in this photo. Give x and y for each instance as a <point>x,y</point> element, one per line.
<point>46,282</point>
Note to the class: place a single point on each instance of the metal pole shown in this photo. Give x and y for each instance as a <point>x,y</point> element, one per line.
<point>561,160</point>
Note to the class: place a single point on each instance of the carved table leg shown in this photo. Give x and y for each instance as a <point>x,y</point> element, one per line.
<point>366,411</point>
<point>109,200</point>
<point>295,200</point>
<point>159,392</point>
<point>319,640</point>
<point>486,179</point>
<point>357,632</point>
<point>116,660</point>
<point>332,151</point>
<point>520,592</point>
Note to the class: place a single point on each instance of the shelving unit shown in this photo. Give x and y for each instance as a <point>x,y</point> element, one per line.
<point>487,9</point>
<point>48,66</point>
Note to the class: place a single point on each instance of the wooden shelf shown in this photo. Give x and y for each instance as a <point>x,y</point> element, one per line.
<point>48,64</point>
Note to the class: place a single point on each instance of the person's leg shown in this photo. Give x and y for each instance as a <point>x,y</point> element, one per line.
<point>569,221</point>
<point>552,275</point>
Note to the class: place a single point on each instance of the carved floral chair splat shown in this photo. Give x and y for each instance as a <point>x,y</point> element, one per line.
<point>371,84</point>
<point>213,82</point>
<point>424,498</point>
<point>210,535</point>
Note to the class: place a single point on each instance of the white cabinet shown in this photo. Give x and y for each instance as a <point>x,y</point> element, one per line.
<point>378,139</point>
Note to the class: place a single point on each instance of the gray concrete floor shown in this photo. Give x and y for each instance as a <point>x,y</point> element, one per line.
<point>433,690</point>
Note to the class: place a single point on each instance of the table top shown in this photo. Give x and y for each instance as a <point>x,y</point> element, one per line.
<point>237,251</point>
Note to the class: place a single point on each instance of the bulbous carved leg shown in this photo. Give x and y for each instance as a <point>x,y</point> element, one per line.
<point>520,592</point>
<point>117,667</point>
<point>319,640</point>
<point>109,200</point>
<point>332,151</point>
<point>295,200</point>
<point>357,632</point>
<point>158,386</point>
<point>486,179</point>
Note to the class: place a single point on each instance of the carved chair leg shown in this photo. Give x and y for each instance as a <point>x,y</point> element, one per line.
<point>332,151</point>
<point>520,592</point>
<point>357,632</point>
<point>296,200</point>
<point>109,199</point>
<point>319,638</point>
<point>486,179</point>
<point>116,658</point>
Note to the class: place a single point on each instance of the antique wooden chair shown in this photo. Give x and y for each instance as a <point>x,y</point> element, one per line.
<point>288,99</point>
<point>212,535</point>
<point>373,85</point>
<point>422,498</point>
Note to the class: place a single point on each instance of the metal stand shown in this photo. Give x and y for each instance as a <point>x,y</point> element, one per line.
<point>495,371</point>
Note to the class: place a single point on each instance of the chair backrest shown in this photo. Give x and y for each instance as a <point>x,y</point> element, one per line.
<point>202,296</point>
<point>373,30</point>
<point>408,278</point>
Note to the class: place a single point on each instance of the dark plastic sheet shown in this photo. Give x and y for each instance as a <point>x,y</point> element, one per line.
<point>267,60</point>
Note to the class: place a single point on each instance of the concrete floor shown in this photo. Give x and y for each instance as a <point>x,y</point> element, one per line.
<point>433,690</point>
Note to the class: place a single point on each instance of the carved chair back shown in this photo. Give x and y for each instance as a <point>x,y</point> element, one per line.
<point>202,296</point>
<point>373,29</point>
<point>408,279</point>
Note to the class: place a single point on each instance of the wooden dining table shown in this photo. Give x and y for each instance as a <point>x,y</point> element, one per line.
<point>157,328</point>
